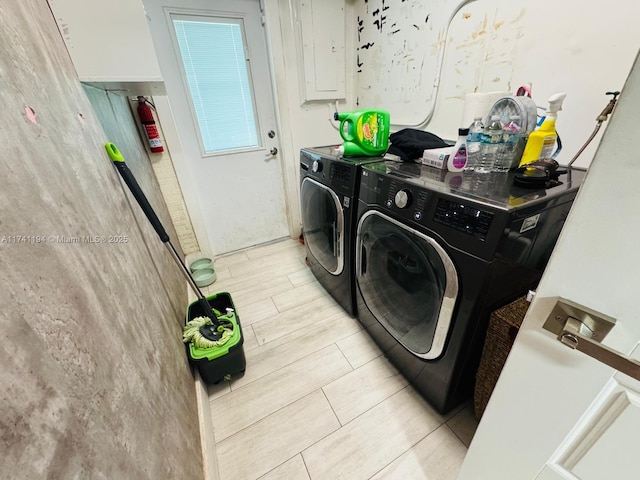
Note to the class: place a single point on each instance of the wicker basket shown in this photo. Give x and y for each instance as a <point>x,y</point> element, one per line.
<point>504,325</point>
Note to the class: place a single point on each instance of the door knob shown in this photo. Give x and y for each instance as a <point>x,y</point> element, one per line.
<point>582,329</point>
<point>273,152</point>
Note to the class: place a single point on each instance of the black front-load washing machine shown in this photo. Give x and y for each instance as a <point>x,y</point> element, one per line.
<point>328,194</point>
<point>436,252</point>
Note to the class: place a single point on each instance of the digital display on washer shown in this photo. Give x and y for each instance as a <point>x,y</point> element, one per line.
<point>469,220</point>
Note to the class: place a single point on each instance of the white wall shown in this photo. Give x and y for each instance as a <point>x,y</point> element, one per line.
<point>583,49</point>
<point>301,125</point>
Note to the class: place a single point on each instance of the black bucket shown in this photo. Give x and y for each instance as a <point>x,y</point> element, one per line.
<point>229,359</point>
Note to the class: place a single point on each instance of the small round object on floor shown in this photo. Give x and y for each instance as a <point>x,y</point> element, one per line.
<point>200,264</point>
<point>204,277</point>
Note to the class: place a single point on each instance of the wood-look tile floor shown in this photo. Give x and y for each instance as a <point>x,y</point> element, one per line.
<point>318,399</point>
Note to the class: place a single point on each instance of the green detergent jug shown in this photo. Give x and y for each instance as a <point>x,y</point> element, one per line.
<point>365,132</point>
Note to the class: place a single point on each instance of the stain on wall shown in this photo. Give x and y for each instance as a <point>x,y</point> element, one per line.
<point>477,46</point>
<point>488,47</point>
<point>94,380</point>
<point>397,53</point>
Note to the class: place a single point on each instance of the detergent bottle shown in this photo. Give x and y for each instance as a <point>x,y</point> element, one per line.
<point>365,132</point>
<point>541,141</point>
<point>458,158</point>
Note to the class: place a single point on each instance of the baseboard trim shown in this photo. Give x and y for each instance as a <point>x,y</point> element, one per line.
<point>207,439</point>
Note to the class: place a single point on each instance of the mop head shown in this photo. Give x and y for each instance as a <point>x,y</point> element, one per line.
<point>192,332</point>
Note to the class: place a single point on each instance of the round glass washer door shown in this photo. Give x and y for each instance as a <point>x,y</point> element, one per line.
<point>323,225</point>
<point>407,281</point>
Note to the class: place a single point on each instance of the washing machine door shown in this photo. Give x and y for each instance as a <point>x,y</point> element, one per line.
<point>323,225</point>
<point>407,281</point>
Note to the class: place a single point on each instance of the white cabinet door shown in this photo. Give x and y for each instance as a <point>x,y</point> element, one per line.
<point>557,413</point>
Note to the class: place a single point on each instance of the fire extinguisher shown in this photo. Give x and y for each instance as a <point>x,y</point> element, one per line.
<point>149,124</point>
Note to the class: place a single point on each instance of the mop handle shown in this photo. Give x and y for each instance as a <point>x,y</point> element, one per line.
<point>130,180</point>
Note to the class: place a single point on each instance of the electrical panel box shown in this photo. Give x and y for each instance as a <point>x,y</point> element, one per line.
<point>322,33</point>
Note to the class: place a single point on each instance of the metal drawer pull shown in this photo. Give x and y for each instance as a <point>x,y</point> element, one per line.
<point>583,329</point>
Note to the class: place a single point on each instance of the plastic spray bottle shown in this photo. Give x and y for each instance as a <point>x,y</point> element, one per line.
<point>365,132</point>
<point>542,140</point>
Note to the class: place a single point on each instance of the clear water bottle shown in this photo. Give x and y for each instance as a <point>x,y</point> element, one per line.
<point>491,146</point>
<point>511,139</point>
<point>474,140</point>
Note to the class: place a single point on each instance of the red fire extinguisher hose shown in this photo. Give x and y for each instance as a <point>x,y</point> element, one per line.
<point>149,124</point>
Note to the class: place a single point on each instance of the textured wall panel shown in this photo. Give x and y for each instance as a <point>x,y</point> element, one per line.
<point>94,380</point>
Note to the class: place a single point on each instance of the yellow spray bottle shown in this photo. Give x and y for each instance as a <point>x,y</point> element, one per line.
<point>541,141</point>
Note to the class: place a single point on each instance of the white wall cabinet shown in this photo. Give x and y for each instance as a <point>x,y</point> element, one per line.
<point>110,44</point>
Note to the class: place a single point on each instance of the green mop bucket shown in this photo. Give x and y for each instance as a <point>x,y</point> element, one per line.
<point>218,363</point>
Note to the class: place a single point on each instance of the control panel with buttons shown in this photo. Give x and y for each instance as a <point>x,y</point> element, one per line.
<point>469,220</point>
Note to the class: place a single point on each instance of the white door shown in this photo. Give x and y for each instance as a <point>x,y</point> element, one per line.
<point>214,61</point>
<point>557,413</point>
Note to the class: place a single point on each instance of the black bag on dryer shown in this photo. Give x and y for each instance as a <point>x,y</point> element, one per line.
<point>409,144</point>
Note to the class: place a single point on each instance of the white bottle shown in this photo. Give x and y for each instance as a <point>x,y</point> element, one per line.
<point>458,158</point>
<point>474,140</point>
